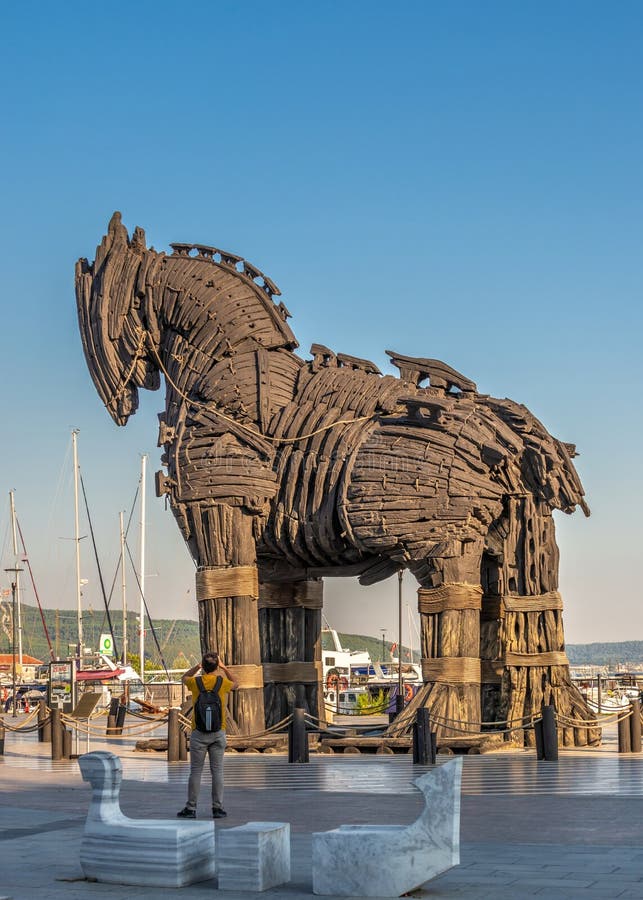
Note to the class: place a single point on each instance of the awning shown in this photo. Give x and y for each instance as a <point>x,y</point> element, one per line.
<point>98,674</point>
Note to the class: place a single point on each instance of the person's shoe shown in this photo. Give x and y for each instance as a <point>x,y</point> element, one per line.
<point>218,812</point>
<point>186,813</point>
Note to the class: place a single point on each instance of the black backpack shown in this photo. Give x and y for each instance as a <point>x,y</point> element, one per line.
<point>207,709</point>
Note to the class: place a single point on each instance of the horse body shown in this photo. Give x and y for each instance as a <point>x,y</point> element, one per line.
<point>326,466</point>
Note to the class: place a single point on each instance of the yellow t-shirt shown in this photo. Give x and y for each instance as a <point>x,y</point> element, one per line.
<point>209,681</point>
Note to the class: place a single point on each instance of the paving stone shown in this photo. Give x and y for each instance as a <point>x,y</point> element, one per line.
<point>598,893</point>
<point>473,877</point>
<point>595,840</point>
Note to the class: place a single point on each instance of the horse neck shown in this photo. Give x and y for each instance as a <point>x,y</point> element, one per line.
<point>220,339</point>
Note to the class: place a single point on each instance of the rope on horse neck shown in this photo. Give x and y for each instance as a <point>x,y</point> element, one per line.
<point>137,355</point>
<point>236,423</point>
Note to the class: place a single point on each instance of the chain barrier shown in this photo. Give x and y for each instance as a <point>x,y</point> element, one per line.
<point>273,729</point>
<point>370,711</point>
<point>148,717</point>
<point>24,727</point>
<point>588,724</point>
<point>323,728</point>
<point>279,726</point>
<point>125,730</point>
<point>525,725</point>
<point>152,723</point>
<point>186,723</point>
<point>531,717</point>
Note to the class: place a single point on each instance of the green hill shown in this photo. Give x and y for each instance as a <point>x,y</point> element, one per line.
<point>179,639</point>
<point>618,654</point>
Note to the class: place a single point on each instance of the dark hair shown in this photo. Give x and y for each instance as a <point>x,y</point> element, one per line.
<point>210,661</point>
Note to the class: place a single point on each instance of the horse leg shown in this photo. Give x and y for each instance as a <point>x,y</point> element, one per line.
<point>449,603</point>
<point>290,633</point>
<point>532,638</point>
<point>223,543</point>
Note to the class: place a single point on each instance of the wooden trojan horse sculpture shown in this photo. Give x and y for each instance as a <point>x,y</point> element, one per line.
<point>281,471</point>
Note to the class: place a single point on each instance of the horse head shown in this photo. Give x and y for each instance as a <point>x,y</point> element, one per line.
<point>115,319</point>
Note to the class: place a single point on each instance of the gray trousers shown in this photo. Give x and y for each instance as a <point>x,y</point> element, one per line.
<point>213,744</point>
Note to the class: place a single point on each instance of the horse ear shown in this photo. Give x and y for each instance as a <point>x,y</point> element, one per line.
<point>138,240</point>
<point>116,230</point>
<point>116,237</point>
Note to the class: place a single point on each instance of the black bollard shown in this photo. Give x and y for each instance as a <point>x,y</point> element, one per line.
<point>66,743</point>
<point>42,716</point>
<point>624,736</point>
<point>635,726</point>
<point>1,738</point>
<point>550,733</point>
<point>120,718</point>
<point>173,735</point>
<point>424,740</point>
<point>297,738</point>
<point>183,744</point>
<point>111,715</point>
<point>56,735</point>
<point>420,750</point>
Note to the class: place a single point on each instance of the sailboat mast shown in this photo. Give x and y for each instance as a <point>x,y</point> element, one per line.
<point>123,589</point>
<point>14,532</point>
<point>141,645</point>
<point>79,608</point>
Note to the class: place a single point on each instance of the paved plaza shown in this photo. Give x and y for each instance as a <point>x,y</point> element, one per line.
<point>529,828</point>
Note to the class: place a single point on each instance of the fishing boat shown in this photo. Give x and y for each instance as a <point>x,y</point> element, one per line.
<point>354,684</point>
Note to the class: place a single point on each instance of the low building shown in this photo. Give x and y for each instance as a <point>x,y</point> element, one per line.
<point>26,671</point>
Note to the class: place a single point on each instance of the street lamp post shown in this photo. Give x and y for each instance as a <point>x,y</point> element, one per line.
<point>399,705</point>
<point>14,591</point>
<point>383,630</point>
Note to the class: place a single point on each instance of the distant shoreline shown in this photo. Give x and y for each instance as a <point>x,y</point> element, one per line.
<point>181,636</point>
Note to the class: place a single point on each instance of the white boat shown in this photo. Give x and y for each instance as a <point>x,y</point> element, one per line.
<point>340,664</point>
<point>364,700</point>
<point>354,684</point>
<point>344,668</point>
<point>610,700</point>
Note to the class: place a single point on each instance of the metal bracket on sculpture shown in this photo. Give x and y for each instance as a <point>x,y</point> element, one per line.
<point>357,364</point>
<point>415,369</point>
<point>163,483</point>
<point>323,357</point>
<point>435,406</point>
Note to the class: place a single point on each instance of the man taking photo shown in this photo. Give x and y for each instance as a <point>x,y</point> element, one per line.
<point>210,692</point>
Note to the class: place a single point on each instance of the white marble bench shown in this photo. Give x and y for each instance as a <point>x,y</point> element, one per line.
<point>390,860</point>
<point>150,852</point>
<point>254,856</point>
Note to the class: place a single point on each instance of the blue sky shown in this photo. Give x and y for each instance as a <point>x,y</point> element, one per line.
<point>454,180</point>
